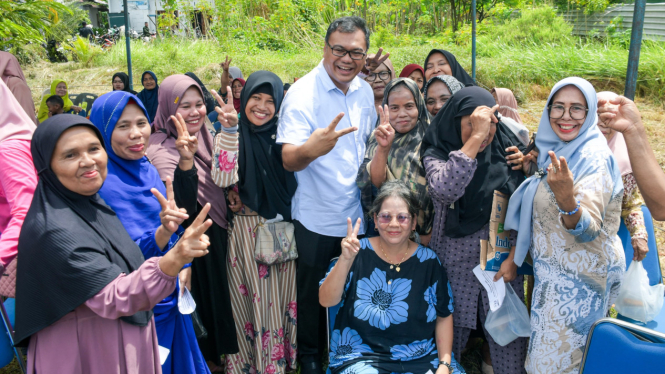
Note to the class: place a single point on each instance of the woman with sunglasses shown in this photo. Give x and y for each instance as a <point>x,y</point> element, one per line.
<point>567,216</point>
<point>396,304</point>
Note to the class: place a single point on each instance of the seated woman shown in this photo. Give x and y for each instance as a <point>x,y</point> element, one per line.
<point>414,72</point>
<point>466,157</point>
<point>120,82</point>
<point>248,155</point>
<point>393,151</point>
<point>84,293</point>
<point>378,79</point>
<point>123,122</point>
<point>396,302</point>
<point>150,94</point>
<point>438,90</point>
<point>442,62</point>
<point>58,87</point>
<point>631,205</point>
<point>567,216</point>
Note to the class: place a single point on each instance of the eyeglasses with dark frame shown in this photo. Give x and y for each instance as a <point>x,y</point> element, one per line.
<point>384,76</point>
<point>576,111</point>
<point>341,52</point>
<point>386,218</point>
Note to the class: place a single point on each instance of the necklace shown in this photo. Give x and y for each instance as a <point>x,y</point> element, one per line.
<point>396,266</point>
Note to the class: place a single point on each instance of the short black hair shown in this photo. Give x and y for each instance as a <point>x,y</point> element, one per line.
<point>287,86</point>
<point>83,23</point>
<point>55,100</point>
<point>349,25</point>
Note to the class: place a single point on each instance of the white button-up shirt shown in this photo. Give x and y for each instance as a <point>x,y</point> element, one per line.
<point>327,192</point>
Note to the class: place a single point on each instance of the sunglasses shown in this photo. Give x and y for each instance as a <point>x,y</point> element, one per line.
<point>385,218</point>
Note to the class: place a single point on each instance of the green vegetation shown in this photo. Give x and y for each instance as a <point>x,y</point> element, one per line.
<point>26,21</point>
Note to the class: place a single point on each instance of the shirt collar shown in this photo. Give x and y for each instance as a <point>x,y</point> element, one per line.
<point>329,85</point>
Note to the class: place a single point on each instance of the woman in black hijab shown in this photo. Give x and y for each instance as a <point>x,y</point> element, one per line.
<point>84,292</point>
<point>120,82</point>
<point>265,190</point>
<point>207,96</point>
<point>465,156</point>
<point>442,62</point>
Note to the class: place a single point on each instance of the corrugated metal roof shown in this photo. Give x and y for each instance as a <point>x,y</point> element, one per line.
<point>654,20</point>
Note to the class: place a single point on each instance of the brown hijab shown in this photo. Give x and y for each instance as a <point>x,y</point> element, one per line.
<point>507,103</point>
<point>13,77</point>
<point>164,155</point>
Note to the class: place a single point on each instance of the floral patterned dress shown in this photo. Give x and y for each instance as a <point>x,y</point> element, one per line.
<point>387,319</point>
<point>263,298</point>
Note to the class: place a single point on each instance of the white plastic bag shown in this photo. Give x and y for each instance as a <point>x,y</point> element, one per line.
<point>638,300</point>
<point>186,304</point>
<point>510,321</point>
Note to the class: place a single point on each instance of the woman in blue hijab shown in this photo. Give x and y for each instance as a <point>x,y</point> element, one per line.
<point>153,223</point>
<point>567,216</point>
<point>149,94</point>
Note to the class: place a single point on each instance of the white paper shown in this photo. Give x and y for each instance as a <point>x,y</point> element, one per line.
<point>163,354</point>
<point>496,291</point>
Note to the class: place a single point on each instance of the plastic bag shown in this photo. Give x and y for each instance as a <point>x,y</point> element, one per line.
<point>510,321</point>
<point>199,329</point>
<point>638,300</point>
<point>186,304</point>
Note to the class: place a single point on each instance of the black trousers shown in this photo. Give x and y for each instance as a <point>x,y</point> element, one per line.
<point>314,254</point>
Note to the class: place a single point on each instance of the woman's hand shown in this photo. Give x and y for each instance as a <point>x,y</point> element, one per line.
<point>186,144</point>
<point>185,276</point>
<point>560,179</point>
<point>193,243</point>
<point>508,268</point>
<point>76,109</point>
<point>481,121</point>
<point>226,64</point>
<point>351,244</point>
<point>384,132</point>
<point>226,113</point>
<point>375,60</point>
<point>528,161</point>
<point>620,114</point>
<point>171,216</point>
<point>640,248</point>
<point>516,159</point>
<point>443,369</point>
<point>234,201</point>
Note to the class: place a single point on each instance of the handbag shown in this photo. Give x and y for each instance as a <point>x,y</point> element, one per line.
<point>275,243</point>
<point>8,280</point>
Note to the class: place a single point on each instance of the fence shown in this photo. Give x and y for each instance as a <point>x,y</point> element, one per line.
<point>654,20</point>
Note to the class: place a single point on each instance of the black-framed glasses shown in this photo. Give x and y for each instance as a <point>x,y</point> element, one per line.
<point>575,111</point>
<point>384,76</point>
<point>341,52</point>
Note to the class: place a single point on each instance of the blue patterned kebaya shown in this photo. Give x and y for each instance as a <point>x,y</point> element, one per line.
<point>430,297</point>
<point>345,346</point>
<point>412,351</point>
<point>381,303</point>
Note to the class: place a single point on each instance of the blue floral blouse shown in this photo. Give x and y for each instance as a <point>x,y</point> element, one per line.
<point>387,319</point>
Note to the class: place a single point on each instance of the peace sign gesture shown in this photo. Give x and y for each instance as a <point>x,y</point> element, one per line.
<point>226,64</point>
<point>193,243</point>
<point>384,132</point>
<point>375,60</point>
<point>351,244</point>
<point>323,139</point>
<point>226,112</point>
<point>171,216</point>
<point>185,143</point>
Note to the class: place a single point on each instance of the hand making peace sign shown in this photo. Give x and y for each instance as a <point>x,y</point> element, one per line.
<point>351,244</point>
<point>193,243</point>
<point>323,139</point>
<point>171,216</point>
<point>227,114</point>
<point>384,132</point>
<point>375,60</point>
<point>226,64</point>
<point>186,144</point>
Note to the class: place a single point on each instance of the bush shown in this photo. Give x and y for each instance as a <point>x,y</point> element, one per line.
<point>534,26</point>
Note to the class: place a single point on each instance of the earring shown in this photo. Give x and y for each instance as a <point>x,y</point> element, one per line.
<point>376,229</point>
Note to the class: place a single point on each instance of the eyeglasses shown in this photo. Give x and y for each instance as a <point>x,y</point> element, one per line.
<point>341,52</point>
<point>385,218</point>
<point>384,76</point>
<point>575,111</point>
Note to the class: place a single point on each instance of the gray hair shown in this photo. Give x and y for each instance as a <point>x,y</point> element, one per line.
<point>398,189</point>
<point>348,25</point>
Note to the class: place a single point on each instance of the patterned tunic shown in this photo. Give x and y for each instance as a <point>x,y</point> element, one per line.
<point>447,181</point>
<point>387,319</point>
<point>577,272</point>
<point>631,208</point>
<point>263,297</point>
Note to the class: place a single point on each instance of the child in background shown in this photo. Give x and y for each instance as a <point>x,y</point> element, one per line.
<point>55,105</point>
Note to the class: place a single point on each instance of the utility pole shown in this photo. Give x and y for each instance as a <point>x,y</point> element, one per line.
<point>635,46</point>
<point>127,42</point>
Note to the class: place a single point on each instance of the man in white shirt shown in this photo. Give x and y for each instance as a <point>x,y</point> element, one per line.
<point>324,124</point>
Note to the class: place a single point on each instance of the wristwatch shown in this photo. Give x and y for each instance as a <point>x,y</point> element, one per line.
<point>450,368</point>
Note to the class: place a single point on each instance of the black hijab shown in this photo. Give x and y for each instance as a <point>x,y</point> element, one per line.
<point>125,79</point>
<point>472,211</point>
<point>264,185</point>
<point>209,100</point>
<point>149,98</point>
<point>70,247</point>
<point>457,70</point>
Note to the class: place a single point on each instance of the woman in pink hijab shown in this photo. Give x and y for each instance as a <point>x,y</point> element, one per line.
<point>18,177</point>
<point>13,77</point>
<point>631,207</point>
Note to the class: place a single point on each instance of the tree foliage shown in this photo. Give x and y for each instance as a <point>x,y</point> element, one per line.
<point>28,21</point>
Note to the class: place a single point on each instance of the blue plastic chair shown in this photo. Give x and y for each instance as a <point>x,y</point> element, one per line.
<point>615,345</point>
<point>7,349</point>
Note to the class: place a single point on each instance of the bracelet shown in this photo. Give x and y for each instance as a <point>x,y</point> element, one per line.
<point>571,212</point>
<point>450,368</point>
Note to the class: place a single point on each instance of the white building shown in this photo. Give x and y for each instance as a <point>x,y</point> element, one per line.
<point>141,11</point>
